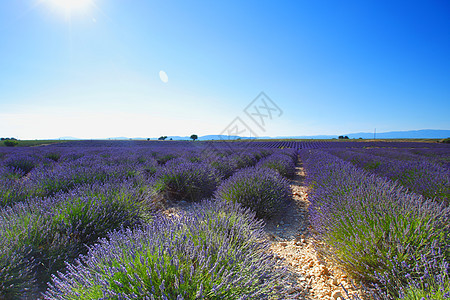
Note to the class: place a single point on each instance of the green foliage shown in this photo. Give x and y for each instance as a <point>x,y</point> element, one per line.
<point>11,143</point>
<point>194,137</point>
<point>31,143</point>
<point>419,294</point>
<point>372,165</point>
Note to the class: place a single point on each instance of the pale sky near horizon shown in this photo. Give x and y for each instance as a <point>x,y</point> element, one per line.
<point>92,68</point>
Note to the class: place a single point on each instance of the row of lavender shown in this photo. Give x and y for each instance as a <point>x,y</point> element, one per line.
<point>231,144</point>
<point>59,201</point>
<point>82,193</point>
<point>318,144</point>
<point>42,172</point>
<point>424,172</point>
<point>394,241</point>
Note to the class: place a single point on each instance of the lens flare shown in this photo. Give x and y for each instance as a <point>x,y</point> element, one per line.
<point>72,5</point>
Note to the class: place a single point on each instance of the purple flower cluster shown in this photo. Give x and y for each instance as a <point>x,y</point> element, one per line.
<point>42,234</point>
<point>21,164</point>
<point>225,166</point>
<point>283,163</point>
<point>189,257</point>
<point>58,200</point>
<point>16,271</point>
<point>11,190</point>
<point>419,174</point>
<point>186,181</point>
<point>317,144</point>
<point>47,180</point>
<point>430,278</point>
<point>371,225</point>
<point>261,189</point>
<point>244,160</point>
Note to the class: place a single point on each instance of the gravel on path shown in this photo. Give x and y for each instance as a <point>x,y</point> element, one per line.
<point>312,276</point>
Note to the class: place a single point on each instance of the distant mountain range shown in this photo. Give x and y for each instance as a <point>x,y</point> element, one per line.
<point>411,134</point>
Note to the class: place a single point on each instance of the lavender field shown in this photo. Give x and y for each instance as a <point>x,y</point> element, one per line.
<point>87,219</point>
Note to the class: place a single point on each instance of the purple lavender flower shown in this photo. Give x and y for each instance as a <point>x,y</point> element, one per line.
<point>190,181</point>
<point>177,258</point>
<point>280,162</point>
<point>372,225</point>
<point>261,189</point>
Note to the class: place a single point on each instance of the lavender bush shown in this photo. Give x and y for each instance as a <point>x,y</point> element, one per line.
<point>368,222</point>
<point>149,167</point>
<point>28,240</point>
<point>16,276</point>
<point>66,176</point>
<point>58,229</point>
<point>436,155</point>
<point>91,211</point>
<point>190,257</point>
<point>282,163</point>
<point>189,181</point>
<point>11,191</point>
<point>177,161</point>
<point>21,164</point>
<point>225,166</point>
<point>55,156</point>
<point>429,279</point>
<point>422,176</point>
<point>243,160</point>
<point>77,192</point>
<point>261,189</point>
<point>162,157</point>
<point>236,221</point>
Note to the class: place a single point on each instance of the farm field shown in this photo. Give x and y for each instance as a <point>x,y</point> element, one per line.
<point>33,143</point>
<point>219,220</point>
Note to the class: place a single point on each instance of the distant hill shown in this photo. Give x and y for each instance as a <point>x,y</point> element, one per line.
<point>411,134</point>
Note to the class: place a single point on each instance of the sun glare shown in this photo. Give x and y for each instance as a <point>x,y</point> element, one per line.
<point>70,6</point>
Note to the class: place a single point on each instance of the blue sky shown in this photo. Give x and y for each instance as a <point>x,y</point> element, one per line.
<point>332,67</point>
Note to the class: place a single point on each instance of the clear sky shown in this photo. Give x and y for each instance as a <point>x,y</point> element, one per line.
<point>91,68</point>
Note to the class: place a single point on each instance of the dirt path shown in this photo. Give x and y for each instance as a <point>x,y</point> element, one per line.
<point>311,276</point>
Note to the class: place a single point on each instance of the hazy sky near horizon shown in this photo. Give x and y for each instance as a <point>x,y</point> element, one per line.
<point>93,70</point>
